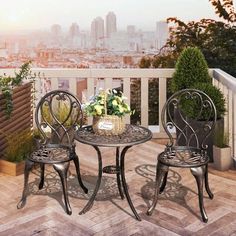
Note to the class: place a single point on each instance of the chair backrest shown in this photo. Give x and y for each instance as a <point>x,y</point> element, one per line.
<point>58,115</point>
<point>192,114</point>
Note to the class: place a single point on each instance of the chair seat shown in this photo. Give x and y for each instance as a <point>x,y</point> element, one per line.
<point>185,157</point>
<point>51,155</point>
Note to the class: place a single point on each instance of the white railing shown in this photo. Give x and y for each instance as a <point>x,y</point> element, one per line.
<point>227,84</point>
<point>51,78</point>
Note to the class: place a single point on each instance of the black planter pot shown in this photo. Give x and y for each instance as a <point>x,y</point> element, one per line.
<point>197,125</point>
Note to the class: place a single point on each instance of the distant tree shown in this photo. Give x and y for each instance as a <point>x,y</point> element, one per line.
<point>145,62</point>
<point>215,39</point>
<point>165,60</point>
<point>225,9</point>
<point>220,47</point>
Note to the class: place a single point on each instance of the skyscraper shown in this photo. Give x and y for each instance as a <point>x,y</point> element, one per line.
<point>110,24</point>
<point>56,34</point>
<point>97,32</point>
<point>74,36</point>
<point>131,30</point>
<point>162,33</point>
<point>97,28</point>
<point>74,30</point>
<point>56,30</point>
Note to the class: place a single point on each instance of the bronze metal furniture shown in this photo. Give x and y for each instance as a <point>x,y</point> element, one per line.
<point>182,111</point>
<point>133,135</point>
<point>58,115</point>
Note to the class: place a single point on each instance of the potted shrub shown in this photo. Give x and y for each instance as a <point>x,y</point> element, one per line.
<point>221,151</point>
<point>191,67</point>
<point>192,72</point>
<point>15,105</point>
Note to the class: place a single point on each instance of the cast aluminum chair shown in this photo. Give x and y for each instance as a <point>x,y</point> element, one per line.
<point>191,134</point>
<point>58,115</point>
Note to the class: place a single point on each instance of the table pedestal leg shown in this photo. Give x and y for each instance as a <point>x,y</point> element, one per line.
<point>91,200</point>
<point>122,168</point>
<point>118,172</point>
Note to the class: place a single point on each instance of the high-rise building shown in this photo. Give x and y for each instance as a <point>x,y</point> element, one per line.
<point>97,32</point>
<point>56,33</point>
<point>74,30</point>
<point>74,36</point>
<point>162,33</point>
<point>131,30</point>
<point>110,24</point>
<point>97,28</point>
<point>56,30</point>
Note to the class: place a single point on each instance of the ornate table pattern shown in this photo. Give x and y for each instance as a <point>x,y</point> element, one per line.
<point>133,135</point>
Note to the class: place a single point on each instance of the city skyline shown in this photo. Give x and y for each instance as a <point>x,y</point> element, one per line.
<point>40,15</point>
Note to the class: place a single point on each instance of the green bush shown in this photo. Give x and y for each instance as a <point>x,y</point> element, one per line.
<point>191,107</point>
<point>216,95</point>
<point>191,67</point>
<point>192,72</point>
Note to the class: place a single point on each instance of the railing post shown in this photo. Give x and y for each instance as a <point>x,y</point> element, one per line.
<point>108,83</point>
<point>234,126</point>
<point>226,116</point>
<point>54,83</point>
<point>37,94</point>
<point>90,92</point>
<point>230,119</point>
<point>144,102</point>
<point>162,100</point>
<point>126,92</point>
<point>73,86</point>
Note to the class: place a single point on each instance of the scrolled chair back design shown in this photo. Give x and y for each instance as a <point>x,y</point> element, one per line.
<point>58,115</point>
<point>192,114</point>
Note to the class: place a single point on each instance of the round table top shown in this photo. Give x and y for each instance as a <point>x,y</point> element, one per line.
<point>133,135</point>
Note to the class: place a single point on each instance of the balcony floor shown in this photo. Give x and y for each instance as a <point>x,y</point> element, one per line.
<point>177,211</point>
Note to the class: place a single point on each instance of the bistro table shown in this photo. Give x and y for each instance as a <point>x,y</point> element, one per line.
<point>133,135</point>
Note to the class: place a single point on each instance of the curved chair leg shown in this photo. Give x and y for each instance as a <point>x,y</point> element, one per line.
<point>199,173</point>
<point>62,170</point>
<point>161,171</point>
<point>164,181</point>
<point>210,194</point>
<point>42,167</point>
<point>28,167</point>
<point>77,167</point>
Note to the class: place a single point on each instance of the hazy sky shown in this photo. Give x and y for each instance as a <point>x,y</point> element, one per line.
<point>41,14</point>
